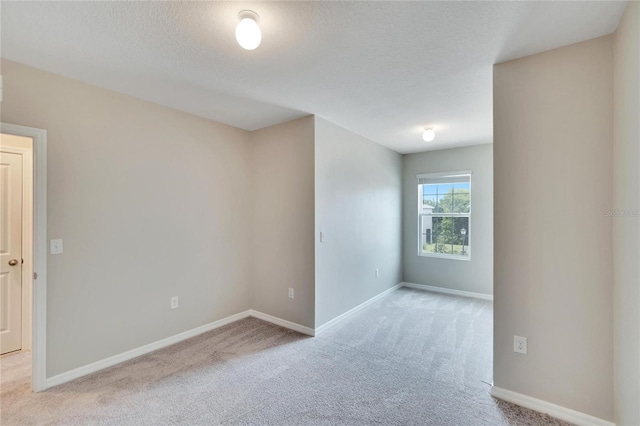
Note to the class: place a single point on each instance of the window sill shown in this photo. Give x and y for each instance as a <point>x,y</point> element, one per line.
<point>445,256</point>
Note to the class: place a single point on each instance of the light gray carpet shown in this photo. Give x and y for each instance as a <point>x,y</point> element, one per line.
<point>413,357</point>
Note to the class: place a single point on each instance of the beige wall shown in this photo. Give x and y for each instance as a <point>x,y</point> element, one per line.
<point>358,193</point>
<point>552,184</point>
<point>151,203</point>
<point>626,227</point>
<point>154,203</point>
<point>475,275</point>
<point>282,196</point>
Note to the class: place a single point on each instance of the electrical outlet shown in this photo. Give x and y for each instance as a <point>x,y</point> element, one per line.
<point>520,344</point>
<point>174,302</point>
<point>290,293</point>
<point>377,273</point>
<point>322,237</point>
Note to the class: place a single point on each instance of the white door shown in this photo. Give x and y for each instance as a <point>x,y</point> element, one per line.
<point>10,252</point>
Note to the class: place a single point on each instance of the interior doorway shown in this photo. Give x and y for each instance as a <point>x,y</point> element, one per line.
<point>23,230</point>
<point>16,256</point>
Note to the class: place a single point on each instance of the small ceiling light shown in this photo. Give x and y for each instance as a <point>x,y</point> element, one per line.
<point>428,135</point>
<point>248,32</point>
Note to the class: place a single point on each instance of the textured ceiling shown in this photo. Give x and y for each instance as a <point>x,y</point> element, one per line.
<point>384,70</point>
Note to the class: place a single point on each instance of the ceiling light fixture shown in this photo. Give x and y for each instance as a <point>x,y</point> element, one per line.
<point>428,135</point>
<point>248,32</point>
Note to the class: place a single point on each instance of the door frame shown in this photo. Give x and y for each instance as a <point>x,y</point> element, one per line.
<point>39,244</point>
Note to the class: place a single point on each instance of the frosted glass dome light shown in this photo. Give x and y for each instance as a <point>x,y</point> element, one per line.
<point>248,32</point>
<point>428,135</point>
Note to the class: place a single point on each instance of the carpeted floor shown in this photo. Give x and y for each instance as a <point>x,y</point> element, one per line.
<point>413,357</point>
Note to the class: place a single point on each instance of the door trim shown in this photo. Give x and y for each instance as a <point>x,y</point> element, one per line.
<point>39,286</point>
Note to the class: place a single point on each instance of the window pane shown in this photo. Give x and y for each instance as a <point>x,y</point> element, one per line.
<point>430,200</point>
<point>445,248</point>
<point>440,242</point>
<point>430,195</point>
<point>429,189</point>
<point>460,237</point>
<point>444,235</point>
<point>461,202</point>
<point>436,201</point>
<point>427,238</point>
<point>445,202</point>
<point>426,208</point>
<point>444,188</point>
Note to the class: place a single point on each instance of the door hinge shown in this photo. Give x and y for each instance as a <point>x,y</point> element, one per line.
<point>35,275</point>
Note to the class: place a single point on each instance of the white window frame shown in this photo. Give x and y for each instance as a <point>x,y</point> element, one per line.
<point>438,175</point>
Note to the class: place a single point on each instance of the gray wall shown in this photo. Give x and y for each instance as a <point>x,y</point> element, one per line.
<point>358,206</point>
<point>282,195</point>
<point>475,275</point>
<point>151,203</point>
<point>552,183</point>
<point>626,228</point>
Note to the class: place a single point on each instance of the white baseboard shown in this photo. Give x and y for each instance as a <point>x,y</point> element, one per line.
<point>282,323</point>
<point>142,350</point>
<point>553,410</point>
<point>449,291</point>
<point>352,311</point>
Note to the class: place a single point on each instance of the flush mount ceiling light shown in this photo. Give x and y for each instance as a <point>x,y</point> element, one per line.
<point>428,135</point>
<point>248,32</point>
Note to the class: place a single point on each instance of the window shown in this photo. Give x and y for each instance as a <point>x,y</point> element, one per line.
<point>444,215</point>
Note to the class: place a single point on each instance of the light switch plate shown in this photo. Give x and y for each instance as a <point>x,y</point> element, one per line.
<point>55,246</point>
